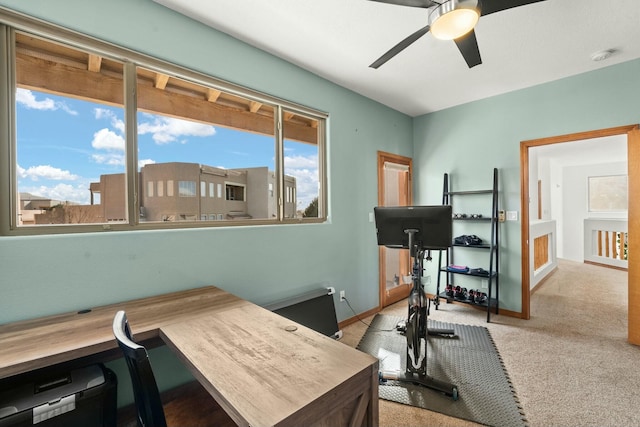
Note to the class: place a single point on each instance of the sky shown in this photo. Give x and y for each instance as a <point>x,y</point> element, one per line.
<point>64,144</point>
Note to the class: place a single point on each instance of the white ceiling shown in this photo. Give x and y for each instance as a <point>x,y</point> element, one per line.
<point>606,149</point>
<point>338,39</point>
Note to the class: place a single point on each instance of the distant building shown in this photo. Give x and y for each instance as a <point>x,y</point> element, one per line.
<point>174,191</point>
<point>112,197</point>
<point>41,210</point>
<point>30,205</point>
<point>189,191</point>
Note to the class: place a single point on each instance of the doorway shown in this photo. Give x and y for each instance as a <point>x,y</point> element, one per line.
<point>394,189</point>
<point>633,168</point>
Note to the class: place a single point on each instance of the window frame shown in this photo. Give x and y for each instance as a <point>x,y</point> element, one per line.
<point>11,21</point>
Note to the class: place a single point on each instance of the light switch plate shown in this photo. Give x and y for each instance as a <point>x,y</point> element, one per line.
<point>512,215</point>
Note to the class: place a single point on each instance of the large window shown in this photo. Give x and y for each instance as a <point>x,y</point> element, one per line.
<point>608,193</point>
<point>68,145</point>
<point>88,150</point>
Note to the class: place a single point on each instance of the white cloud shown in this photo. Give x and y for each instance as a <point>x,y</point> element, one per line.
<point>305,171</point>
<point>106,139</point>
<point>112,159</point>
<point>66,108</point>
<point>46,172</point>
<point>111,144</point>
<point>306,184</point>
<point>27,99</point>
<point>297,162</point>
<point>62,192</point>
<point>144,162</point>
<point>103,113</point>
<point>165,130</point>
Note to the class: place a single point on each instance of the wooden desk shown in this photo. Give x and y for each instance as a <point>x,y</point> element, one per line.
<point>46,341</point>
<point>266,370</point>
<point>259,372</point>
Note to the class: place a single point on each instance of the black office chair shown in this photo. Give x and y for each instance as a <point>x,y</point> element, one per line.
<point>145,390</point>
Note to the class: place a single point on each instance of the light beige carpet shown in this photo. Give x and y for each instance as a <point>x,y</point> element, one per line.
<point>570,363</point>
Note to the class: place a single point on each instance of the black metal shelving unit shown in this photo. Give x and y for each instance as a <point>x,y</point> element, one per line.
<point>492,247</point>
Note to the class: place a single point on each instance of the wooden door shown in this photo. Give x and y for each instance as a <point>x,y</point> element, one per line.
<point>394,189</point>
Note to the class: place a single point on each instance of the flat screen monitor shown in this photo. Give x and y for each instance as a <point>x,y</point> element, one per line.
<point>432,222</point>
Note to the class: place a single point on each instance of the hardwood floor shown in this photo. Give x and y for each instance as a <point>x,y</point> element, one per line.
<point>187,405</point>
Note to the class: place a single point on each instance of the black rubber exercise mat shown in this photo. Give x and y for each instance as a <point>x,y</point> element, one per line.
<point>470,362</point>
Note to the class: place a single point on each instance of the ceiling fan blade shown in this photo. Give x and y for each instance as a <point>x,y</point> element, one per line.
<point>412,3</point>
<point>400,47</point>
<point>468,46</point>
<point>491,6</point>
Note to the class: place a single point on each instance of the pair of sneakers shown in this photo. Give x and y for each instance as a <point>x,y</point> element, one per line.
<point>475,295</point>
<point>453,291</point>
<point>460,293</point>
<point>456,292</point>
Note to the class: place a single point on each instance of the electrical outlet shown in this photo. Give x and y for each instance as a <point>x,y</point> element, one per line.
<point>342,296</point>
<point>501,216</point>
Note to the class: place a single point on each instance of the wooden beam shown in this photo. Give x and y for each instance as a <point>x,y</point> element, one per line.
<point>38,74</point>
<point>213,94</point>
<point>47,56</point>
<point>160,81</point>
<point>254,106</point>
<point>183,106</point>
<point>187,107</point>
<point>300,133</point>
<point>94,63</point>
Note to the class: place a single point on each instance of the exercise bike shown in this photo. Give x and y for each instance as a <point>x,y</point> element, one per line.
<point>415,328</point>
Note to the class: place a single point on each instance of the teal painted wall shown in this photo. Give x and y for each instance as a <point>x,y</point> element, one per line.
<point>72,271</point>
<point>43,275</point>
<point>468,141</point>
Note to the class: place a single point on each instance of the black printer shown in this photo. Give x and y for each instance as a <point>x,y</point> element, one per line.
<point>82,396</point>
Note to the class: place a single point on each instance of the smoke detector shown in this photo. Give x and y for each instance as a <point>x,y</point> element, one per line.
<point>602,55</point>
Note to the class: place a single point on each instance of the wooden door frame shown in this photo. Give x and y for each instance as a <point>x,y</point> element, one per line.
<point>393,158</point>
<point>524,207</point>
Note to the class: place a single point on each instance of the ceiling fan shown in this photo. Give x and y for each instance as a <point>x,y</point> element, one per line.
<point>451,20</point>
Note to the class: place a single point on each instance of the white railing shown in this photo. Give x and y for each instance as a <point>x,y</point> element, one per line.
<point>605,241</point>
<point>548,264</point>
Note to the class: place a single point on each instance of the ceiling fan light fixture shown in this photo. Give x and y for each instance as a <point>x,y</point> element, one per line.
<point>454,18</point>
